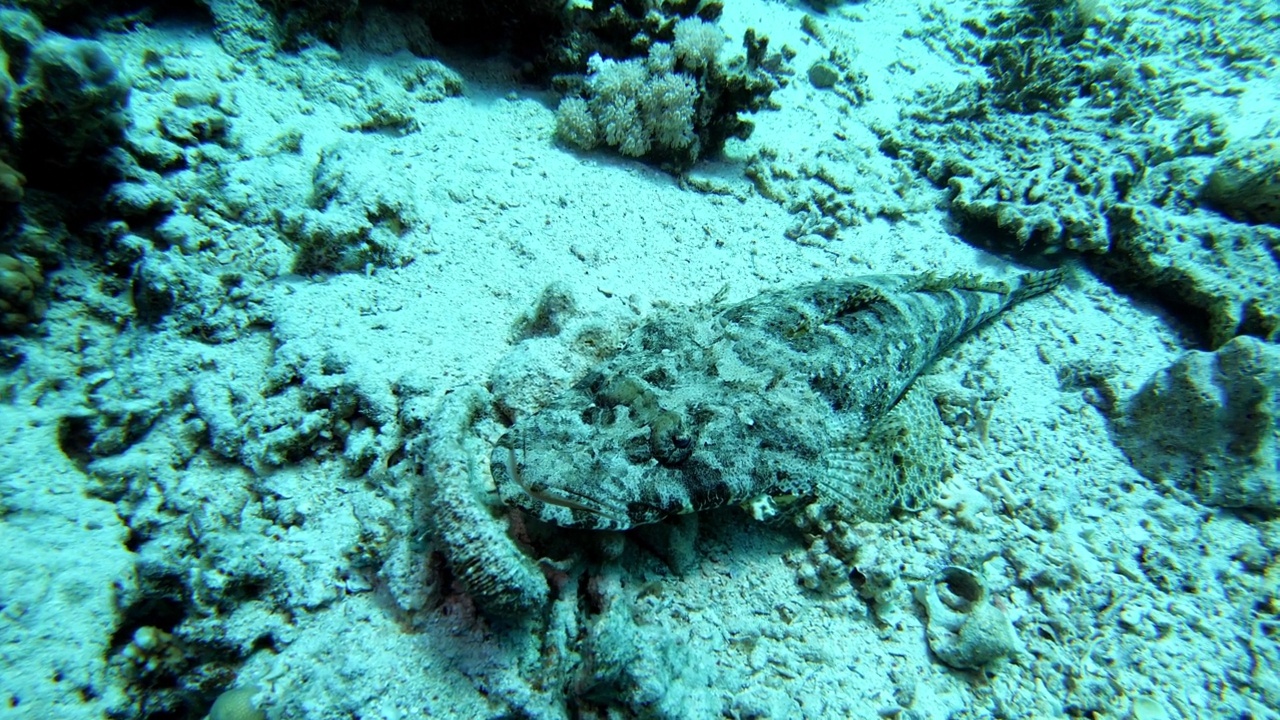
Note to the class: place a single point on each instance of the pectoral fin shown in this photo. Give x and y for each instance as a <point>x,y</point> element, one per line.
<point>899,464</point>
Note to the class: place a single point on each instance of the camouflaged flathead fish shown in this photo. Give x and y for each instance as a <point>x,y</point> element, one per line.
<point>794,393</point>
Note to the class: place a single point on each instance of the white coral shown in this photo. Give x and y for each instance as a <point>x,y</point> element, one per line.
<point>619,118</point>
<point>697,43</point>
<point>635,110</point>
<point>668,110</point>
<point>575,124</point>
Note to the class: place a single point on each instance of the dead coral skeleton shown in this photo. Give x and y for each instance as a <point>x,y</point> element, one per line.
<point>474,542</point>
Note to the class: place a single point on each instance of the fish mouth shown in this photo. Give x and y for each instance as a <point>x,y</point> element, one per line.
<point>614,516</point>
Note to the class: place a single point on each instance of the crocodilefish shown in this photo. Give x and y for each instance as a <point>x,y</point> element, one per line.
<point>795,393</point>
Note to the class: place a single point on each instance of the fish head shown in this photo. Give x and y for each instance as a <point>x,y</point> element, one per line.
<point>615,451</point>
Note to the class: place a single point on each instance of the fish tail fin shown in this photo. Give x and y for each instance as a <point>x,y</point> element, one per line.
<point>1031,284</point>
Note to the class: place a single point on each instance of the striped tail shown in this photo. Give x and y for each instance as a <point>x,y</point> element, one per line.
<point>1035,283</point>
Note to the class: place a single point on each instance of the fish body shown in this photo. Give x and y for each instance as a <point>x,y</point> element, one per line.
<point>708,407</point>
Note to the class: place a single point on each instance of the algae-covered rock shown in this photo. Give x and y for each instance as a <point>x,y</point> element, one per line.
<point>1077,144</point>
<point>1210,422</point>
<point>1245,184</point>
<point>20,278</point>
<point>357,219</point>
<point>1215,275</point>
<point>71,105</point>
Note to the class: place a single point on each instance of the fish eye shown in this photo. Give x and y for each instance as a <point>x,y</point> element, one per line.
<point>670,441</point>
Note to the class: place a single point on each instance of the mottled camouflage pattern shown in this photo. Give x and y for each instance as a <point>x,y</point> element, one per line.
<point>706,407</point>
